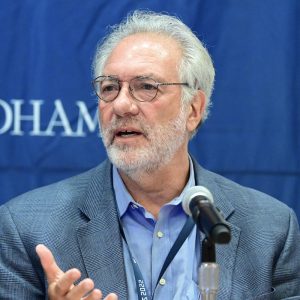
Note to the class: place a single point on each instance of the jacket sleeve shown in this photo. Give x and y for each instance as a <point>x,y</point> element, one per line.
<point>286,277</point>
<point>18,273</point>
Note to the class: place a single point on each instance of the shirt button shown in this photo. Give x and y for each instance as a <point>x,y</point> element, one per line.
<point>162,281</point>
<point>159,234</point>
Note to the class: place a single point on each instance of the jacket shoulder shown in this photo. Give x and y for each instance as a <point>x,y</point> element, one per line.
<point>59,193</point>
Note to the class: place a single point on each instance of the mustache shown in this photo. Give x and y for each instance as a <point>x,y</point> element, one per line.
<point>137,122</point>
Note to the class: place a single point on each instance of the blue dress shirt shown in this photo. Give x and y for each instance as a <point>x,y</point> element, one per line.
<point>150,241</point>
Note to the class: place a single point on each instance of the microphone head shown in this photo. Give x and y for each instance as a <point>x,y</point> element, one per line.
<point>193,192</point>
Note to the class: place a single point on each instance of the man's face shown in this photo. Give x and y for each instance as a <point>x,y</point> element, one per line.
<point>143,136</point>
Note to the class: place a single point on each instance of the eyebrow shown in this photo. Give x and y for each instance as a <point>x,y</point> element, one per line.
<point>151,75</point>
<point>110,76</point>
<point>145,75</point>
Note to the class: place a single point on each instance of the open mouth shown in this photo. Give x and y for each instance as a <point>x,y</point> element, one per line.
<point>127,133</point>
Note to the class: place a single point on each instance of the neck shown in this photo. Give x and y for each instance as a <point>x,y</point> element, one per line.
<point>160,187</point>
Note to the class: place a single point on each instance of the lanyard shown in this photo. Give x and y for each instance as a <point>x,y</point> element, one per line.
<point>140,283</point>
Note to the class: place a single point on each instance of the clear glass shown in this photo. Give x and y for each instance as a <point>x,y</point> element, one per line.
<point>209,280</point>
<point>143,89</point>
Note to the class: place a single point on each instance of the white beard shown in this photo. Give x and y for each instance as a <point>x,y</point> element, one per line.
<point>162,142</point>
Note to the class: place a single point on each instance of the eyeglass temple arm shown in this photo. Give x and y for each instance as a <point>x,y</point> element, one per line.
<point>173,83</point>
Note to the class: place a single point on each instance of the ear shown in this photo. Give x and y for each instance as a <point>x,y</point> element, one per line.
<point>196,110</point>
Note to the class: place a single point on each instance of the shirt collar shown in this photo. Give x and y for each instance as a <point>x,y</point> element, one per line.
<point>124,199</point>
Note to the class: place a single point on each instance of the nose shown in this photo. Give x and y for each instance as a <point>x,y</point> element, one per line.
<point>124,104</point>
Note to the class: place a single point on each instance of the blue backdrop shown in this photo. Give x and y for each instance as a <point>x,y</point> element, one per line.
<point>47,107</point>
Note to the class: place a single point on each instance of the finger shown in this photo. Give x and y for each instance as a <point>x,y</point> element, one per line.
<point>111,296</point>
<point>65,283</point>
<point>83,288</point>
<point>94,295</point>
<point>48,263</point>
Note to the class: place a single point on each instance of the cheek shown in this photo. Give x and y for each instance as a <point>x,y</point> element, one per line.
<point>105,112</point>
<point>165,113</point>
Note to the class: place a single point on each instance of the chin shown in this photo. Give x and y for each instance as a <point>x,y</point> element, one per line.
<point>134,161</point>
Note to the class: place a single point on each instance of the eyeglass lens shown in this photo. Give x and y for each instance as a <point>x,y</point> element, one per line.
<point>142,89</point>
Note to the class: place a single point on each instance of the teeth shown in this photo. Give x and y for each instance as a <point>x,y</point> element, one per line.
<point>127,133</point>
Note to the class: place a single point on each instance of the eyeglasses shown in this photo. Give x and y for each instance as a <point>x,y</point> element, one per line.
<point>143,89</point>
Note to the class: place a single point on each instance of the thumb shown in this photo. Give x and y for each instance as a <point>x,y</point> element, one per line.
<point>53,272</point>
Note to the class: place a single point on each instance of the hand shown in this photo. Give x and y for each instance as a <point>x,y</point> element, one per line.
<point>61,284</point>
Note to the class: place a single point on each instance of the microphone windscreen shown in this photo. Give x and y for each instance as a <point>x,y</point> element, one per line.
<point>193,192</point>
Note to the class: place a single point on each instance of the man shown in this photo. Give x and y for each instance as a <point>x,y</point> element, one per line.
<point>109,230</point>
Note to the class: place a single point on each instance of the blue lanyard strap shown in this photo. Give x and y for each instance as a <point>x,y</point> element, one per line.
<point>140,283</point>
<point>184,233</point>
<point>139,279</point>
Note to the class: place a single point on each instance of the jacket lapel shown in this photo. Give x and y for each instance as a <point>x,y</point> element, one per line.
<point>99,238</point>
<point>225,254</point>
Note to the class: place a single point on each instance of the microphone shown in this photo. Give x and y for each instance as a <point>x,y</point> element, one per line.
<point>198,203</point>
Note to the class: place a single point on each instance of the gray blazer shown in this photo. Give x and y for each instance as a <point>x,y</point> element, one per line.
<point>77,219</point>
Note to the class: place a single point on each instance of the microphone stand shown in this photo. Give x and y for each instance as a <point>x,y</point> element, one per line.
<point>209,271</point>
<point>216,231</point>
<point>211,222</point>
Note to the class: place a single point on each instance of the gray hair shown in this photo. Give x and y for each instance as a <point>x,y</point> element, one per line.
<point>196,67</point>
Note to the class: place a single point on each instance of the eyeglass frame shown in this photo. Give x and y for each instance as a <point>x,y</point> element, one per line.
<point>130,89</point>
